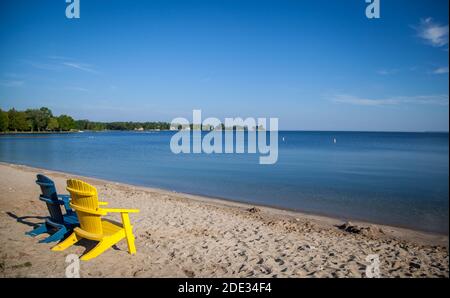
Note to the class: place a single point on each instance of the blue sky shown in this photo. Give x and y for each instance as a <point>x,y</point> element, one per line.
<point>317,65</point>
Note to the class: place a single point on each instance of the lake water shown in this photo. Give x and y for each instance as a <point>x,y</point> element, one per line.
<point>391,178</point>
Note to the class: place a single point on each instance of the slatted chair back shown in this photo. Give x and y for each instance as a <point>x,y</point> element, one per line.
<point>50,197</point>
<point>84,199</point>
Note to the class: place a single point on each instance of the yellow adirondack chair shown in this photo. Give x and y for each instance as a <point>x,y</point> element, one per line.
<point>84,200</point>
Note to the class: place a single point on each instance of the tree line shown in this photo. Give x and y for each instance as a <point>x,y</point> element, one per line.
<point>41,120</point>
<point>90,125</point>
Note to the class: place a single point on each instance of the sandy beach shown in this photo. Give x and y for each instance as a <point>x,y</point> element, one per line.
<point>180,235</point>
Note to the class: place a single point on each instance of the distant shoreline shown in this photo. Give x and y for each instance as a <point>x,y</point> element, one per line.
<point>70,132</point>
<point>36,132</point>
<point>164,130</point>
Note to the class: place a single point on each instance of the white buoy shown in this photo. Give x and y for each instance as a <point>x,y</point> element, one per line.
<point>334,140</point>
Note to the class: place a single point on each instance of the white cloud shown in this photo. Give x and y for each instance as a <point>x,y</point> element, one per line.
<point>386,72</point>
<point>433,33</point>
<point>11,83</point>
<point>59,58</point>
<point>80,66</point>
<point>441,70</point>
<point>58,63</point>
<point>397,100</point>
<point>12,75</point>
<point>74,88</point>
<point>42,66</point>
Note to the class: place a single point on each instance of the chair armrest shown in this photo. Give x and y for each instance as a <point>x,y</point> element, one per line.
<point>119,210</point>
<point>66,202</point>
<point>97,211</point>
<point>50,201</point>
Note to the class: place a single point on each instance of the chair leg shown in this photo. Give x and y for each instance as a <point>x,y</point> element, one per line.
<point>128,233</point>
<point>58,235</point>
<point>97,250</point>
<point>39,230</point>
<point>68,242</point>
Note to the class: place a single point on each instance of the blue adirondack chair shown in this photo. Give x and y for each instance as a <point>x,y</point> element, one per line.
<point>61,224</point>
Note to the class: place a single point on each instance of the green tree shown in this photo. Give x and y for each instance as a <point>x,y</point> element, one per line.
<point>18,121</point>
<point>46,115</point>
<point>33,118</point>
<point>39,118</point>
<point>81,124</point>
<point>42,119</point>
<point>4,121</point>
<point>66,122</point>
<point>53,124</point>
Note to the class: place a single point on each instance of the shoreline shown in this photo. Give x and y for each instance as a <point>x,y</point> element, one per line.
<point>303,213</point>
<point>282,130</point>
<point>183,235</point>
<point>421,236</point>
<point>36,132</point>
<point>77,131</point>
